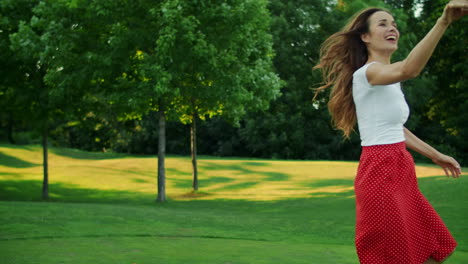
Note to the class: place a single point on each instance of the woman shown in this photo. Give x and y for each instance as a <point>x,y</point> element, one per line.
<point>394,221</point>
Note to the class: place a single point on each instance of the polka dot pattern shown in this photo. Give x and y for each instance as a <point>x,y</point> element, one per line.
<point>394,221</point>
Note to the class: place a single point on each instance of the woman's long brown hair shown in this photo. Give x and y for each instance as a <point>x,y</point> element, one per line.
<point>340,56</point>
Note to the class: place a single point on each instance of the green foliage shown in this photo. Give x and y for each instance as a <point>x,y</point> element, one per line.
<point>100,69</point>
<point>15,76</point>
<point>34,46</point>
<point>220,57</point>
<point>131,57</point>
<point>293,127</point>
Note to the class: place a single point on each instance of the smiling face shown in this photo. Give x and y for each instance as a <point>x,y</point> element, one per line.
<point>383,34</point>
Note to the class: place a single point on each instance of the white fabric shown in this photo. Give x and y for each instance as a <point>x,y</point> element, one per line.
<point>381,110</point>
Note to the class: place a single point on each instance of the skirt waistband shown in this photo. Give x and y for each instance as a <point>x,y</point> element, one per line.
<point>393,146</point>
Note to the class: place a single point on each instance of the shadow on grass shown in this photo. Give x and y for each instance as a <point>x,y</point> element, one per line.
<point>182,183</point>
<point>236,169</point>
<point>141,181</point>
<point>238,186</point>
<point>10,175</point>
<point>22,147</point>
<point>31,190</point>
<point>227,183</point>
<point>275,176</point>
<point>327,207</point>
<point>80,154</point>
<point>204,183</point>
<point>174,171</point>
<point>241,169</point>
<point>214,180</point>
<point>14,162</point>
<point>255,163</point>
<point>331,182</point>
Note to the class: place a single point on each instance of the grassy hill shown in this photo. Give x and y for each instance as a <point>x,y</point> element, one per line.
<point>102,210</point>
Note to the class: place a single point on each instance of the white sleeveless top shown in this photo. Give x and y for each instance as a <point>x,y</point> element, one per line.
<point>381,110</point>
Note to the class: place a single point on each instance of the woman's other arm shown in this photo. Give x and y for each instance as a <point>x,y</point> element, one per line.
<point>449,164</point>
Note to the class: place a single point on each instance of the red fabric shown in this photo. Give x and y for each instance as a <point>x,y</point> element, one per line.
<point>394,221</point>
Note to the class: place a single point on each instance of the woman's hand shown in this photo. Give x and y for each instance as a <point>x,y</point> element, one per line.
<point>454,10</point>
<point>449,164</point>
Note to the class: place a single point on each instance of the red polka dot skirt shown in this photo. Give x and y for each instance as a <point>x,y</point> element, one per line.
<point>394,221</point>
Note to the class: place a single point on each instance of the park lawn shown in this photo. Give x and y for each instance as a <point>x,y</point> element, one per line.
<point>102,210</point>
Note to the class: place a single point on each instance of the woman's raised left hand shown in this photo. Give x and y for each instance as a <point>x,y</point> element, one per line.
<point>454,10</point>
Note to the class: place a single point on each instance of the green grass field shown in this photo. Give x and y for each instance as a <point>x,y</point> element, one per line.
<point>102,210</point>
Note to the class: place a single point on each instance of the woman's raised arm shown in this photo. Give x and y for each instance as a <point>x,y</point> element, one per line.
<point>411,67</point>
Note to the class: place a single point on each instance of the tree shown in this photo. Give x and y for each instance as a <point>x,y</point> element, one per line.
<point>14,76</point>
<point>120,50</point>
<point>29,48</point>
<point>221,61</point>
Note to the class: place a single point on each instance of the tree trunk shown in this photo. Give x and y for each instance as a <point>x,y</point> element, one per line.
<point>45,182</point>
<point>193,148</point>
<point>161,157</point>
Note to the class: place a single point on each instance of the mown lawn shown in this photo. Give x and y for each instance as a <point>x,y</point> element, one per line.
<point>102,210</point>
